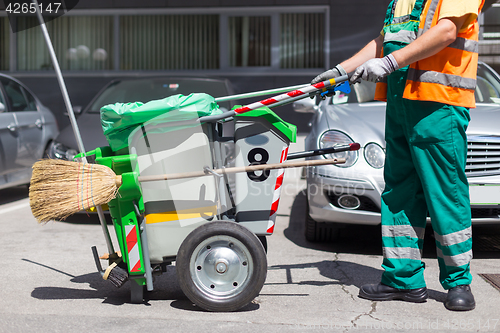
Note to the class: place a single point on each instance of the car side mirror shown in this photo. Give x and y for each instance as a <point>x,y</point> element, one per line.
<point>305,105</point>
<point>2,107</point>
<point>77,109</point>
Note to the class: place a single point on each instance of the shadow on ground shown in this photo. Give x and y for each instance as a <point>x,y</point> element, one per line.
<point>13,194</point>
<point>166,288</point>
<point>361,239</point>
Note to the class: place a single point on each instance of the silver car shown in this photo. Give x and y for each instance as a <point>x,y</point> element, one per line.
<point>350,193</point>
<point>26,130</point>
<point>131,90</point>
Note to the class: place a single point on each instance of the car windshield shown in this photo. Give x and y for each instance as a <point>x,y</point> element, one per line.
<point>362,92</point>
<point>487,89</point>
<point>488,86</point>
<point>145,90</point>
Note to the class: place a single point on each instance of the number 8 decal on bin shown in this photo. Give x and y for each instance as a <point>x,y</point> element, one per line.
<point>264,158</point>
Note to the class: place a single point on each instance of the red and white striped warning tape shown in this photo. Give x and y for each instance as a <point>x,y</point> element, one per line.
<point>134,258</point>
<point>277,193</point>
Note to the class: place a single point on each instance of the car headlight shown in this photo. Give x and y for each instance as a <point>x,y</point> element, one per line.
<point>60,151</point>
<point>374,155</point>
<point>332,138</point>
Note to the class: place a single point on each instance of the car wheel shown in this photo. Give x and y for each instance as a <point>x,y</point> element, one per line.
<point>221,266</point>
<point>319,231</point>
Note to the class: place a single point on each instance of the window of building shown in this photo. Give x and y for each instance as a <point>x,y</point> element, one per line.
<point>4,43</point>
<point>80,43</point>
<point>249,41</point>
<point>302,40</point>
<point>169,42</point>
<point>201,39</point>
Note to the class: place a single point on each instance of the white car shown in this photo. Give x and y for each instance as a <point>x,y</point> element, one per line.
<point>27,129</point>
<point>350,193</point>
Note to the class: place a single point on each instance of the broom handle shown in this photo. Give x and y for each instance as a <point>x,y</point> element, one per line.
<point>59,76</point>
<point>250,168</point>
<point>72,117</point>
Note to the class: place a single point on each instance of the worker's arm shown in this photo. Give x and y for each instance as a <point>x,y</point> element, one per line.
<point>431,42</point>
<point>371,50</point>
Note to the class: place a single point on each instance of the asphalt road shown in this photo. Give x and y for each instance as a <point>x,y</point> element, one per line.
<point>50,283</point>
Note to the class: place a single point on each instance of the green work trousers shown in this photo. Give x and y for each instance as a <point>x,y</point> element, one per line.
<point>424,174</point>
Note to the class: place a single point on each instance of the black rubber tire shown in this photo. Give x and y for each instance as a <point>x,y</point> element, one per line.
<point>263,240</point>
<point>319,231</point>
<point>234,241</point>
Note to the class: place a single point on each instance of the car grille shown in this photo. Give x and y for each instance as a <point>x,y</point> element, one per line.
<point>483,156</point>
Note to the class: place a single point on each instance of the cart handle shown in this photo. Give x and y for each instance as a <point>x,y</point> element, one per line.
<point>279,99</point>
<point>260,93</point>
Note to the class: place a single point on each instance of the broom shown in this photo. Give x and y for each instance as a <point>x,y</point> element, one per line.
<point>60,188</point>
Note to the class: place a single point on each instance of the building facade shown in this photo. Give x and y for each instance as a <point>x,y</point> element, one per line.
<point>262,45</point>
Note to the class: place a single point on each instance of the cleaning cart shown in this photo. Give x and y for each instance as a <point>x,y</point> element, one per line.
<point>214,226</point>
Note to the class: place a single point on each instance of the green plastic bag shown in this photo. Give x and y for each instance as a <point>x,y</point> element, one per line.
<point>120,120</point>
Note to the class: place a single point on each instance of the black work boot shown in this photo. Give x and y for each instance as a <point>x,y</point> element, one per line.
<point>381,292</point>
<point>460,298</point>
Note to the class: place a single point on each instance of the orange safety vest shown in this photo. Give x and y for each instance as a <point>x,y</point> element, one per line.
<point>448,77</point>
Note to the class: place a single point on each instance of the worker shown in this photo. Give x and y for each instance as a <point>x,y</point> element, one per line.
<point>425,63</point>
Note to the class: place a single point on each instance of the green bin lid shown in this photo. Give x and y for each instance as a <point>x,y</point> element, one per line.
<point>289,130</point>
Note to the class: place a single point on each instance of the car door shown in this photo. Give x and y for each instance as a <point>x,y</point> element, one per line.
<point>9,140</point>
<point>29,122</point>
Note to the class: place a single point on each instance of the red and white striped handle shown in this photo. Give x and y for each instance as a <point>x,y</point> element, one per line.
<point>292,94</point>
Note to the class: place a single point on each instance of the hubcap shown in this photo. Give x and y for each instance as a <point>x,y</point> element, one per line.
<point>221,266</point>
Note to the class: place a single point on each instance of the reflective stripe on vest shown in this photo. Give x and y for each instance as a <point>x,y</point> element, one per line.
<point>427,23</point>
<point>403,36</point>
<point>448,80</point>
<point>448,77</point>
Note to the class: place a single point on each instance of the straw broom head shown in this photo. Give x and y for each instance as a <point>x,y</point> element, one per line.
<point>60,188</point>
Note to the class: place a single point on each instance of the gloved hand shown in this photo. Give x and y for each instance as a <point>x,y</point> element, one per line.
<point>330,74</point>
<point>376,69</point>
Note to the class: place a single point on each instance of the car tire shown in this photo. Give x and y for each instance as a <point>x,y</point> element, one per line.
<point>319,231</point>
<point>236,251</point>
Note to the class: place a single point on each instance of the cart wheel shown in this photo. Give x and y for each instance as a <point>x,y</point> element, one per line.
<point>221,266</point>
<point>136,292</point>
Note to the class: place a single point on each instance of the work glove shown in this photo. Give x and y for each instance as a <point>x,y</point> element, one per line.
<point>374,70</point>
<point>330,74</point>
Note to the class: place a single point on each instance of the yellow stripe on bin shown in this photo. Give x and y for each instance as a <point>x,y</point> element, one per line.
<point>200,212</point>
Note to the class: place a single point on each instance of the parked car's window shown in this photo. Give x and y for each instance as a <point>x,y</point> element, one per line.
<point>361,92</point>
<point>488,86</point>
<point>2,100</point>
<point>31,100</point>
<point>15,96</point>
<point>153,89</point>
